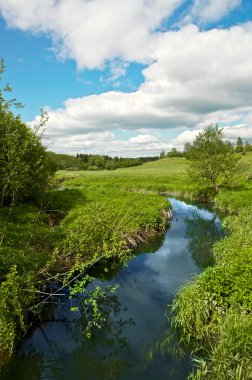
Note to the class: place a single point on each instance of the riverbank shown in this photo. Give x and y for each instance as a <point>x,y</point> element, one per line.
<point>75,228</point>
<point>212,315</point>
<point>132,317</point>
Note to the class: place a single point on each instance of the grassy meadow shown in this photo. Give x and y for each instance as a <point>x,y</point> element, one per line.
<point>166,175</point>
<point>92,216</point>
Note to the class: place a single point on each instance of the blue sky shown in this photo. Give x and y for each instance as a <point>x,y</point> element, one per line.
<point>129,78</point>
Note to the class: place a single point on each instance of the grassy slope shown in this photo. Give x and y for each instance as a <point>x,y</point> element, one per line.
<point>166,175</point>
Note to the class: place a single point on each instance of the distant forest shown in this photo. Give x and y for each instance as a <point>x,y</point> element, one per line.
<point>94,161</point>
<point>101,162</point>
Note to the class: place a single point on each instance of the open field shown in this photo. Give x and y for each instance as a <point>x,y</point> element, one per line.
<point>166,175</point>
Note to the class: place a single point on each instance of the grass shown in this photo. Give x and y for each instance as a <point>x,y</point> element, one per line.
<point>167,175</point>
<point>213,314</point>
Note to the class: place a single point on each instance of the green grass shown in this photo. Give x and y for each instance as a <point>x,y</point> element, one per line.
<point>213,314</point>
<point>27,241</point>
<point>166,175</point>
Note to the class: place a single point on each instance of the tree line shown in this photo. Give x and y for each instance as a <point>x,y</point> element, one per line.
<point>239,147</point>
<point>93,161</point>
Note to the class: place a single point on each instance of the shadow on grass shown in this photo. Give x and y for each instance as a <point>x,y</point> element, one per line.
<point>64,200</point>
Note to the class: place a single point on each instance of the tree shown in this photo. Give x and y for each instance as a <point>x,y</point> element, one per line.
<point>162,154</point>
<point>239,146</point>
<point>248,147</point>
<point>174,153</point>
<point>24,168</point>
<point>187,148</point>
<point>213,161</point>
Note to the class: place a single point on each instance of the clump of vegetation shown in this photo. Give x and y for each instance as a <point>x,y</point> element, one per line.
<point>213,162</point>
<point>25,235</point>
<point>24,172</point>
<point>109,223</point>
<point>212,315</point>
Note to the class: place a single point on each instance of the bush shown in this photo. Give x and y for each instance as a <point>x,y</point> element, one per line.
<point>24,167</point>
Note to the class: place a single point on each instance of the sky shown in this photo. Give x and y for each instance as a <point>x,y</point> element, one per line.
<point>129,78</point>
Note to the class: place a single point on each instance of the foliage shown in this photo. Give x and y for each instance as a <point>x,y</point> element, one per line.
<point>25,236</point>
<point>13,307</point>
<point>94,162</point>
<point>239,148</point>
<point>110,222</point>
<point>23,166</point>
<point>248,147</point>
<point>187,148</point>
<point>175,153</point>
<point>25,250</point>
<point>95,306</point>
<point>213,162</point>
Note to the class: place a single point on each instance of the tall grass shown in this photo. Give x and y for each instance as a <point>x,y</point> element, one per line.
<point>213,314</point>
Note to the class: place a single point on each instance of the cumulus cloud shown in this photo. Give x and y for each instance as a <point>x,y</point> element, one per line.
<point>143,139</point>
<point>240,130</point>
<point>185,137</point>
<point>198,78</point>
<point>230,132</point>
<point>193,77</point>
<point>92,32</point>
<point>212,10</point>
<point>104,143</point>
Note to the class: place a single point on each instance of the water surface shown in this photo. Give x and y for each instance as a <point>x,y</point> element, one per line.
<point>58,350</point>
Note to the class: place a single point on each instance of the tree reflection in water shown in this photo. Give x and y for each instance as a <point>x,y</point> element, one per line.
<point>201,234</point>
<point>58,349</point>
<point>105,353</point>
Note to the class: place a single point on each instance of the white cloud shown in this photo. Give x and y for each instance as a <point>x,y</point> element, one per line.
<point>241,130</point>
<point>212,10</point>
<point>197,78</point>
<point>104,143</point>
<point>143,139</point>
<point>92,32</point>
<point>230,132</point>
<point>185,137</point>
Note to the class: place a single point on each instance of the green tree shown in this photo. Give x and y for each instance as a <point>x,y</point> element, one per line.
<point>162,154</point>
<point>24,168</point>
<point>213,161</point>
<point>187,148</point>
<point>239,145</point>
<point>248,147</point>
<point>174,153</point>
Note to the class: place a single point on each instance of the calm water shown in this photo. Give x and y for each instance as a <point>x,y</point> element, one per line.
<point>57,348</point>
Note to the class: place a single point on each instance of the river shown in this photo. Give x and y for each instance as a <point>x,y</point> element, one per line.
<point>58,350</point>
